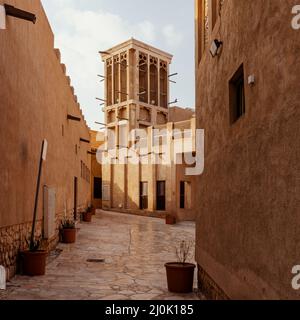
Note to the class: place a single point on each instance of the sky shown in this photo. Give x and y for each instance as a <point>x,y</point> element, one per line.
<point>82,28</point>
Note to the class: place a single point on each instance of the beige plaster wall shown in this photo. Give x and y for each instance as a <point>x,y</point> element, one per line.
<point>248,212</point>
<point>35,98</point>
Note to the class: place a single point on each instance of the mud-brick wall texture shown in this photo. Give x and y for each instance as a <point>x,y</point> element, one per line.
<point>248,215</point>
<point>35,99</point>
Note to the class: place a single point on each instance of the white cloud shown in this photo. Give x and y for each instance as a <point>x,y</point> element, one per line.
<point>173,37</point>
<point>147,31</point>
<point>80,34</point>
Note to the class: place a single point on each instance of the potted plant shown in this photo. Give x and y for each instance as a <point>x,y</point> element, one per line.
<point>170,219</point>
<point>93,210</point>
<point>68,231</point>
<point>180,274</point>
<point>34,259</point>
<point>87,215</point>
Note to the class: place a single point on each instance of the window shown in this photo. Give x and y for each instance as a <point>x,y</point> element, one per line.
<point>143,78</point>
<point>97,188</point>
<point>237,95</point>
<point>109,82</point>
<point>182,195</point>
<point>124,69</point>
<point>161,196</point>
<point>153,81</point>
<point>143,195</point>
<point>163,84</point>
<point>116,79</point>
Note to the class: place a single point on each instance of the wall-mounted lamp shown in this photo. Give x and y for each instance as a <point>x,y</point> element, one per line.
<point>18,13</point>
<point>141,93</point>
<point>251,80</point>
<point>214,48</point>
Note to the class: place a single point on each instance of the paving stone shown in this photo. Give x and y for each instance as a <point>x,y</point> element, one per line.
<point>135,250</point>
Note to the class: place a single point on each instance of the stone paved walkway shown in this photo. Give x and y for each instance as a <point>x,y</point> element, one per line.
<point>135,250</point>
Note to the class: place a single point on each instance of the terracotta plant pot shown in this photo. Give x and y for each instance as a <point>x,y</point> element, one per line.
<point>87,216</point>
<point>68,235</point>
<point>34,263</point>
<point>170,219</point>
<point>180,277</point>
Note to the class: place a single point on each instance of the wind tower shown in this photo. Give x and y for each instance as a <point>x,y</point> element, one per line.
<point>136,85</point>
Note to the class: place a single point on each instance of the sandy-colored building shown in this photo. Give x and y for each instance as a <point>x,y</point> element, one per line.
<point>136,104</point>
<point>37,102</point>
<point>248,103</point>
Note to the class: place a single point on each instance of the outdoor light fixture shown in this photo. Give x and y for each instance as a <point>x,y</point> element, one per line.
<point>18,13</point>
<point>141,93</point>
<point>215,46</point>
<point>251,80</point>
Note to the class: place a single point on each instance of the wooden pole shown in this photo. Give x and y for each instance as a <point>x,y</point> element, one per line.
<point>31,247</point>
